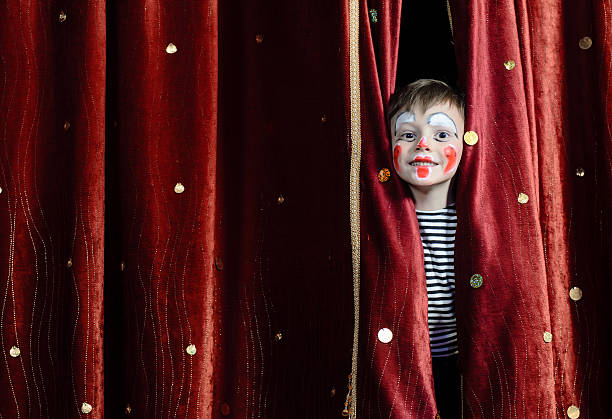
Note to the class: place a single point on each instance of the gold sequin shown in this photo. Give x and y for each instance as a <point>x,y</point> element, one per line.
<point>384,175</point>
<point>225,409</point>
<point>62,16</point>
<point>332,392</point>
<point>573,412</point>
<point>66,126</point>
<point>179,188</point>
<point>385,335</point>
<point>580,172</point>
<point>191,349</point>
<point>219,263</point>
<point>122,266</point>
<point>128,409</point>
<point>0,190</point>
<point>171,48</point>
<point>278,336</point>
<point>523,198</point>
<point>323,119</point>
<point>259,38</point>
<point>280,199</point>
<point>69,263</point>
<point>86,408</point>
<point>575,293</point>
<point>547,337</point>
<point>510,64</point>
<point>15,352</point>
<point>470,138</point>
<point>585,43</point>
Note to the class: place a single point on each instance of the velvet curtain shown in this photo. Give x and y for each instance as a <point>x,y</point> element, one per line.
<point>175,237</point>
<point>533,206</point>
<point>52,102</point>
<point>536,337</point>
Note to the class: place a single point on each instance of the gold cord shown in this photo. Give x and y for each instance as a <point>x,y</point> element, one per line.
<point>355,102</point>
<point>450,19</point>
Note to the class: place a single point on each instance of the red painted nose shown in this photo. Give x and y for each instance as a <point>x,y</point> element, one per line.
<point>423,143</point>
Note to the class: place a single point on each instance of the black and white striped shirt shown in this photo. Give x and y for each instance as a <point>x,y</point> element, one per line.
<point>438,238</point>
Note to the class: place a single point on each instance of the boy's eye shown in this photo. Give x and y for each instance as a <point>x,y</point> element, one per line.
<point>442,135</point>
<point>407,136</point>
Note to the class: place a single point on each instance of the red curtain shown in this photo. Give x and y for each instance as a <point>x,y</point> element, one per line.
<point>52,102</point>
<point>533,207</point>
<point>224,259</point>
<point>174,212</point>
<point>544,129</point>
<point>163,209</point>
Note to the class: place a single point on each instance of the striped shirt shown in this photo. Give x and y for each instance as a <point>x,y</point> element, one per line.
<point>438,237</point>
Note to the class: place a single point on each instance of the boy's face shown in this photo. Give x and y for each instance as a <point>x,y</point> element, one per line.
<point>427,144</point>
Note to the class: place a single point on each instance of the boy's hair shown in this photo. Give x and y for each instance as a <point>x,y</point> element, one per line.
<point>424,93</point>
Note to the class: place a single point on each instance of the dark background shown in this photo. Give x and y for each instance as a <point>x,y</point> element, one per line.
<point>426,44</point>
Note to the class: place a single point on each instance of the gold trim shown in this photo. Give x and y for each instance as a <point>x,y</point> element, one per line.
<point>355,100</point>
<point>450,19</point>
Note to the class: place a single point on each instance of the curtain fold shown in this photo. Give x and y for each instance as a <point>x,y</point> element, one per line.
<point>394,379</point>
<point>535,223</point>
<point>283,169</point>
<point>52,208</point>
<point>165,210</point>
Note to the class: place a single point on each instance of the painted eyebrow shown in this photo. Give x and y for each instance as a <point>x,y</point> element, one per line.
<point>402,118</point>
<point>442,120</point>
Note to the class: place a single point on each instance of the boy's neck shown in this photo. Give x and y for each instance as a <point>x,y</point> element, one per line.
<point>432,198</point>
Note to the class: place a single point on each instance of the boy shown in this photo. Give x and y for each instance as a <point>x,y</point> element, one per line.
<point>426,125</point>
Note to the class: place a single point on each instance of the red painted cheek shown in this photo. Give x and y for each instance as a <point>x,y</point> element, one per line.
<point>396,153</point>
<point>422,172</point>
<point>451,156</point>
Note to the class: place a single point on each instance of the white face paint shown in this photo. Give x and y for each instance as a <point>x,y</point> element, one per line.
<point>404,117</point>
<point>423,156</point>
<point>440,119</point>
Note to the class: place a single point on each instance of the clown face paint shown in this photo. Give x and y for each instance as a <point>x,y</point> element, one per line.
<point>396,153</point>
<point>403,118</point>
<point>423,143</point>
<point>423,172</point>
<point>451,157</point>
<point>421,154</point>
<point>440,119</point>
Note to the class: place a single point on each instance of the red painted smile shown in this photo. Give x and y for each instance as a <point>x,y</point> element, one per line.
<point>424,160</point>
